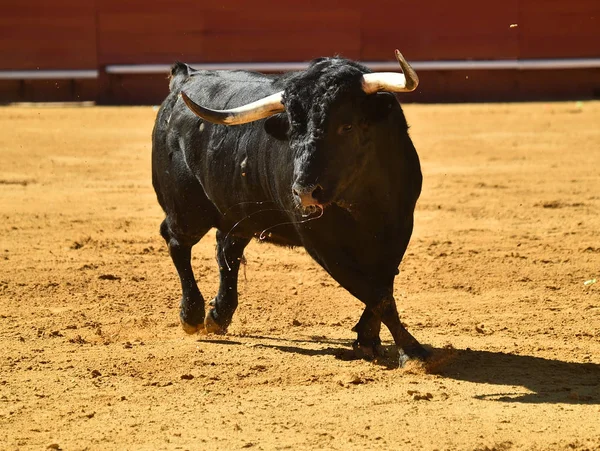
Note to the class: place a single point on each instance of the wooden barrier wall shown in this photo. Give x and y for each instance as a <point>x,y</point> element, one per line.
<point>87,34</point>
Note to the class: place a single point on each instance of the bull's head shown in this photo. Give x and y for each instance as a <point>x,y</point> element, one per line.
<point>319,138</point>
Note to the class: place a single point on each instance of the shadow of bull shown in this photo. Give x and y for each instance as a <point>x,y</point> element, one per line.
<point>550,381</point>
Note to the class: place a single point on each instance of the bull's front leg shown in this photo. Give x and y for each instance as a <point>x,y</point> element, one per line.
<point>380,306</point>
<point>368,343</point>
<point>408,346</point>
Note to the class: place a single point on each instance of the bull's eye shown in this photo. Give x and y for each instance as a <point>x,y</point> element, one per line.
<point>344,128</point>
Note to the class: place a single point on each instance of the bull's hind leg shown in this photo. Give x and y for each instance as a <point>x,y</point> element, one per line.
<point>191,312</point>
<point>230,251</point>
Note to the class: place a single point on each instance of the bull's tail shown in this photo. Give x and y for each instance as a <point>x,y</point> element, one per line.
<point>179,74</point>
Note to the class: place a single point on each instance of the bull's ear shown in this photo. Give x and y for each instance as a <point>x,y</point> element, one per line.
<point>380,105</point>
<point>278,126</point>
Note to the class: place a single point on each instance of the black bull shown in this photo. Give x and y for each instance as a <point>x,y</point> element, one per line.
<point>331,169</point>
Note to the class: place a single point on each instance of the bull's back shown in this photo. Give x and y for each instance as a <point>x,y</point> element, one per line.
<point>213,168</point>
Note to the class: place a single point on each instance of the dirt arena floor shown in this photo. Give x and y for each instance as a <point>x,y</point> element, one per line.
<point>501,268</point>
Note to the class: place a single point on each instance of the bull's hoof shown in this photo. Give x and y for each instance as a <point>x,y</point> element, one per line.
<point>403,359</point>
<point>211,326</point>
<point>368,352</point>
<point>416,352</point>
<point>191,314</point>
<point>189,329</point>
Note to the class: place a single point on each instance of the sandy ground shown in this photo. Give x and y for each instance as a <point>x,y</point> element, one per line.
<point>500,267</point>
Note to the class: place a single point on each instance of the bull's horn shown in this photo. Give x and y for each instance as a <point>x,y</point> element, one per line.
<point>392,81</point>
<point>254,111</point>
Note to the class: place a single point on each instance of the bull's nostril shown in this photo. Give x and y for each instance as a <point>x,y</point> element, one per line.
<point>313,195</point>
<point>317,193</point>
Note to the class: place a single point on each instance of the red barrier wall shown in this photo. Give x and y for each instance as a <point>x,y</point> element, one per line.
<point>76,34</point>
<point>41,34</point>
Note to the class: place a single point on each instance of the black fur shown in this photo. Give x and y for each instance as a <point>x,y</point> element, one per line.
<point>351,150</point>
